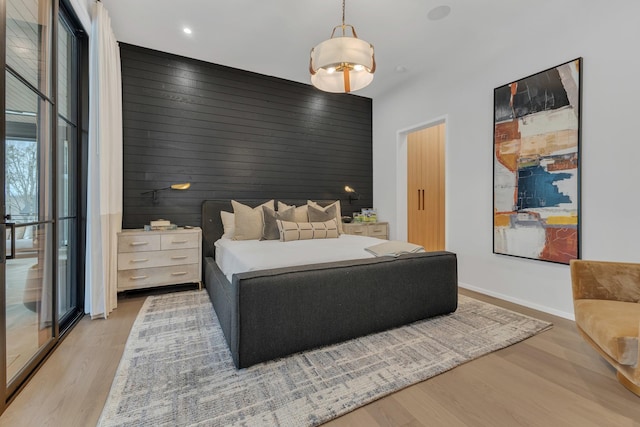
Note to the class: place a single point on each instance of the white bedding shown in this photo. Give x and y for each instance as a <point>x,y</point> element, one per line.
<point>239,256</point>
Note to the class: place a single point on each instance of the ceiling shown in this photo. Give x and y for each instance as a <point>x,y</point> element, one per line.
<point>274,37</point>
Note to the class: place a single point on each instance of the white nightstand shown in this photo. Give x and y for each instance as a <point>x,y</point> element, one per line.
<point>371,229</point>
<point>148,259</point>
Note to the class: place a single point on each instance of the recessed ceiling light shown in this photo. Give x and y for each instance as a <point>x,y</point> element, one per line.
<point>438,13</point>
<point>186,30</point>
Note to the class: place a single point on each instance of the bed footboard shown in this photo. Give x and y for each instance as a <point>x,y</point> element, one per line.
<point>273,313</point>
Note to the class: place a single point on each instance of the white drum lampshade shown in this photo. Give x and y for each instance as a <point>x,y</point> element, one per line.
<point>342,64</point>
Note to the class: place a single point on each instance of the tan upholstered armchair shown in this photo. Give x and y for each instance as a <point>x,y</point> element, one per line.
<point>606,302</point>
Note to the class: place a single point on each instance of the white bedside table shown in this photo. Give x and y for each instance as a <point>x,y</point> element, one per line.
<point>148,259</point>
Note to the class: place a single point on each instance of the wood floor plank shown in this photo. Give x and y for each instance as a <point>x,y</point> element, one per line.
<point>71,387</point>
<point>425,409</point>
<point>554,378</point>
<point>557,405</point>
<point>583,383</point>
<point>358,418</point>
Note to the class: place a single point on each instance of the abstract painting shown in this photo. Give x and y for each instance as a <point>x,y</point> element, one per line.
<point>536,165</point>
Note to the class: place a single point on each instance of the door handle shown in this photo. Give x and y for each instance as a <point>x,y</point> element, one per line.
<point>421,199</point>
<point>12,245</point>
<point>3,250</point>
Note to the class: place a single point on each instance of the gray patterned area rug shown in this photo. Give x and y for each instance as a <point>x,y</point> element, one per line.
<point>176,369</point>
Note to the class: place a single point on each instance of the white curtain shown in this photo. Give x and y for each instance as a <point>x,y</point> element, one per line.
<point>104,187</point>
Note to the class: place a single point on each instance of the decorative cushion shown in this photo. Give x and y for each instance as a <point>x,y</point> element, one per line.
<point>612,325</point>
<point>248,221</point>
<point>29,232</point>
<point>301,211</point>
<point>338,211</point>
<point>228,224</point>
<point>20,231</point>
<point>317,214</point>
<point>270,229</point>
<point>307,230</point>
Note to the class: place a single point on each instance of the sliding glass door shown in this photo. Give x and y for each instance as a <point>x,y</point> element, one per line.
<point>28,196</point>
<point>67,169</point>
<point>40,156</point>
<point>28,202</point>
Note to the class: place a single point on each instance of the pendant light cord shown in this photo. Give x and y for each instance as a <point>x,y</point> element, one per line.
<point>343,26</point>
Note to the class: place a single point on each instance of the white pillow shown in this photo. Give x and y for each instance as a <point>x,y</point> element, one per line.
<point>248,221</point>
<point>228,224</point>
<point>28,232</point>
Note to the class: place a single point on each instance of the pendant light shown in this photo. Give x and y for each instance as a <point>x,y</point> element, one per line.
<point>344,63</point>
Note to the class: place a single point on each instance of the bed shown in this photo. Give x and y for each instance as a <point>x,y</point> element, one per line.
<point>270,313</point>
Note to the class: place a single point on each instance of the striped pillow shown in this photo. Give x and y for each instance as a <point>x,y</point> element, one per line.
<point>290,231</point>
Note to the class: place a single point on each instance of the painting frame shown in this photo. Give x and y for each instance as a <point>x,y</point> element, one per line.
<point>536,165</point>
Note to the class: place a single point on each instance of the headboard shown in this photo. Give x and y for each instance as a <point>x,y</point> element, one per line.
<point>212,223</point>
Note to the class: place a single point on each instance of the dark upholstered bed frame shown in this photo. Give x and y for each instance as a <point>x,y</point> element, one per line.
<point>273,313</point>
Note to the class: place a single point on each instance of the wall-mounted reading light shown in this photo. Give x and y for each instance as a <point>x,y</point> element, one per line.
<point>353,194</point>
<point>154,193</point>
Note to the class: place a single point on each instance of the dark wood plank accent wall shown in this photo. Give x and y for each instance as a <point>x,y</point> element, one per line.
<point>235,134</point>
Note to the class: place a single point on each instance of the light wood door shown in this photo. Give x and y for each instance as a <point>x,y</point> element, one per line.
<point>425,187</point>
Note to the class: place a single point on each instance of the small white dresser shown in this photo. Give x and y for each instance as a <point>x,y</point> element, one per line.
<point>148,259</point>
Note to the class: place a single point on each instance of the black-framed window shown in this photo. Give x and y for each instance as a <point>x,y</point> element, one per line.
<point>43,157</point>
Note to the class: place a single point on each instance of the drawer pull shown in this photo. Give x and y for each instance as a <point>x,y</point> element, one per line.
<point>180,241</point>
<point>377,231</point>
<point>138,277</point>
<point>139,260</point>
<point>357,231</point>
<point>179,273</point>
<point>138,243</point>
<point>179,257</point>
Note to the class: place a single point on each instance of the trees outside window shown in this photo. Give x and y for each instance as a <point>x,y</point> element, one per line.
<point>21,163</point>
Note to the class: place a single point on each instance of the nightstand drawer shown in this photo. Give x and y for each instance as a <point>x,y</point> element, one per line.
<point>138,243</point>
<point>179,240</point>
<point>129,261</point>
<point>378,230</point>
<point>371,229</point>
<point>356,229</point>
<point>157,276</point>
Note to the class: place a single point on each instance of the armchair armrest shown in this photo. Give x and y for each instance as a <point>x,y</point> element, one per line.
<point>616,281</point>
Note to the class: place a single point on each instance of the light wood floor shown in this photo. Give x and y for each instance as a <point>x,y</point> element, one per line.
<point>552,379</point>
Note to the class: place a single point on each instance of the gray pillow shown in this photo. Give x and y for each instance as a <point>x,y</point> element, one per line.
<point>336,205</point>
<point>318,214</point>
<point>301,211</point>
<point>270,226</point>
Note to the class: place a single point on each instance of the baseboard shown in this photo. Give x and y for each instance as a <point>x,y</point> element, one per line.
<point>528,304</point>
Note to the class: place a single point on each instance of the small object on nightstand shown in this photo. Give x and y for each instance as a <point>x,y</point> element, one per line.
<point>346,219</point>
<point>160,223</point>
<point>160,227</point>
<point>188,227</point>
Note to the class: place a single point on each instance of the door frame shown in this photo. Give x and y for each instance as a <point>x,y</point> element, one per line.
<point>401,175</point>
<point>3,301</point>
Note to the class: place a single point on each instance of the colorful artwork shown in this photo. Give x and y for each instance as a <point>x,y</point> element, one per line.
<point>536,173</point>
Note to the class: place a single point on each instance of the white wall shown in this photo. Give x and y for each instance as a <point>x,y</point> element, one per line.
<point>547,33</point>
